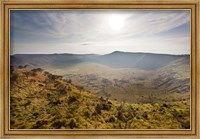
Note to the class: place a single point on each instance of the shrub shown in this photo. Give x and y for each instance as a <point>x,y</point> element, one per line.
<point>69,89</point>
<point>46,73</point>
<point>62,91</point>
<point>145,115</point>
<point>59,123</point>
<point>87,114</point>
<point>48,95</point>
<point>26,103</point>
<point>37,70</point>
<point>33,73</point>
<point>106,106</point>
<point>54,77</point>
<point>39,124</point>
<point>120,116</point>
<point>102,106</point>
<point>72,99</point>
<point>72,123</point>
<point>186,125</point>
<point>35,114</point>
<point>55,101</point>
<point>165,105</point>
<point>98,108</point>
<point>112,119</point>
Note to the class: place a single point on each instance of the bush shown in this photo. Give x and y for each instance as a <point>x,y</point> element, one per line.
<point>59,123</point>
<point>26,103</point>
<point>54,77</point>
<point>98,108</point>
<point>37,70</point>
<point>39,124</point>
<point>120,116</point>
<point>72,99</point>
<point>62,91</point>
<point>46,73</point>
<point>165,105</point>
<point>87,114</point>
<point>112,119</point>
<point>145,115</point>
<point>35,114</point>
<point>72,123</point>
<point>32,73</point>
<point>69,89</point>
<point>106,106</point>
<point>55,101</point>
<point>186,125</point>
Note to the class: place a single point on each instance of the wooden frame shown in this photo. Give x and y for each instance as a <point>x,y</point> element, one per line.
<point>99,4</point>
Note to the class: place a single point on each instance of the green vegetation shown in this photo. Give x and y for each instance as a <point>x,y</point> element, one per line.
<point>41,100</point>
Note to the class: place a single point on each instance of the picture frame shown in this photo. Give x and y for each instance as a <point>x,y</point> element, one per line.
<point>6,5</point>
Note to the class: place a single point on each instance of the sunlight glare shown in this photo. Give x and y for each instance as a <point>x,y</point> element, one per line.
<point>116,22</point>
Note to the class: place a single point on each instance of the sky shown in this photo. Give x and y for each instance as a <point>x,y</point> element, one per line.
<point>99,31</point>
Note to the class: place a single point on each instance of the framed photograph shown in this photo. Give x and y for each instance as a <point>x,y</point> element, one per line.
<point>89,69</point>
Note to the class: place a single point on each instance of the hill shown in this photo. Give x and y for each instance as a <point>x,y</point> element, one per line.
<point>175,77</point>
<point>117,59</point>
<point>124,76</point>
<point>144,61</point>
<point>41,100</point>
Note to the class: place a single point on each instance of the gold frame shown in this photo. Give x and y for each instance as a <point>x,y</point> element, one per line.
<point>193,5</point>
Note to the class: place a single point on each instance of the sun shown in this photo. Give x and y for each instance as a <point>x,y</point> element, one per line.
<point>116,22</point>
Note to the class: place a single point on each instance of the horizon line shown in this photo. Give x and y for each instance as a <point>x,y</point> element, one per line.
<point>96,54</point>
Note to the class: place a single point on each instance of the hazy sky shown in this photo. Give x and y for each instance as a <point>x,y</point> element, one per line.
<point>100,31</point>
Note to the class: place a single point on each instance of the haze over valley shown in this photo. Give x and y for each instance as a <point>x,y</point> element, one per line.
<point>124,76</point>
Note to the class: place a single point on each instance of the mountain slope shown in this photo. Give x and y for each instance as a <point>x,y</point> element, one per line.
<point>129,77</point>
<point>144,61</point>
<point>175,77</point>
<point>41,100</point>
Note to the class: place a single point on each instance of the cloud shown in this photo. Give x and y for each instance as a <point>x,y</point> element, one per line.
<point>84,44</point>
<point>153,22</point>
<point>90,27</point>
<point>63,23</point>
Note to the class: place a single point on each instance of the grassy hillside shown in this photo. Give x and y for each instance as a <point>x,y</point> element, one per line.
<point>41,100</point>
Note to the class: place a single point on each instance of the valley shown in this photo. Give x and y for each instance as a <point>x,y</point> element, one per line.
<point>131,80</point>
